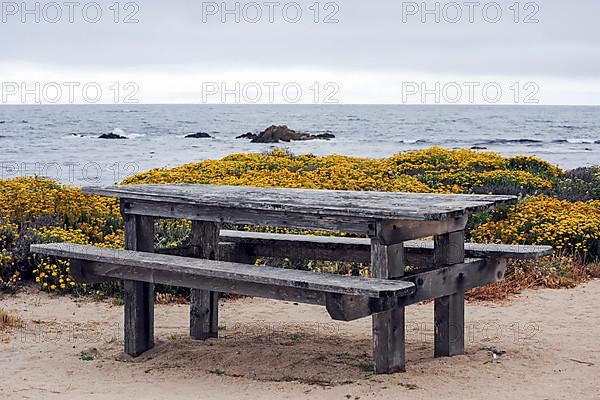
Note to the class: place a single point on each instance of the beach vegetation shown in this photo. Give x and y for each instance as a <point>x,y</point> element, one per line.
<point>9,319</point>
<point>556,207</point>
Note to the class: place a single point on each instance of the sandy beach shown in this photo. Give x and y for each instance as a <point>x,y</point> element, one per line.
<point>546,344</point>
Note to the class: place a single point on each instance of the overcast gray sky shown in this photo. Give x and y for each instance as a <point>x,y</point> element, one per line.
<point>371,51</point>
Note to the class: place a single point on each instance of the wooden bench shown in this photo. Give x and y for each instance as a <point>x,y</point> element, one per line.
<point>91,264</point>
<point>248,245</point>
<point>346,298</point>
<point>446,267</point>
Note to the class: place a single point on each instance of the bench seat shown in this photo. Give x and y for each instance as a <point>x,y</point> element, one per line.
<point>346,297</point>
<point>90,263</point>
<point>418,252</point>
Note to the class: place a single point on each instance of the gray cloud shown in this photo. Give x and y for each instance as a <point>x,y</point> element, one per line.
<point>565,42</point>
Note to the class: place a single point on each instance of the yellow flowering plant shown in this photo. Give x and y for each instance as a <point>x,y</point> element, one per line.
<point>570,227</point>
<point>34,210</point>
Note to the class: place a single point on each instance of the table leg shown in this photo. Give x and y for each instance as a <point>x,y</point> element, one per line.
<point>449,311</point>
<point>388,327</point>
<point>139,296</point>
<point>204,304</point>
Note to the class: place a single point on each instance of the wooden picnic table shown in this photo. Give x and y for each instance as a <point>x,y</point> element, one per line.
<point>388,219</point>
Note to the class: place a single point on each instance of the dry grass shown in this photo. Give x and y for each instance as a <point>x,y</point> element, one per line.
<point>9,319</point>
<point>553,272</point>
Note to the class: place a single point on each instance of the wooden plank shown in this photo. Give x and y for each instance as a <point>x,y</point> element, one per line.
<point>476,250</point>
<point>139,296</point>
<point>390,232</point>
<point>449,311</point>
<point>343,307</point>
<point>429,285</point>
<point>388,327</point>
<point>204,305</point>
<point>261,244</point>
<point>146,267</point>
<point>417,252</point>
<point>276,218</point>
<point>455,278</point>
<point>81,274</point>
<point>174,277</point>
<point>320,203</point>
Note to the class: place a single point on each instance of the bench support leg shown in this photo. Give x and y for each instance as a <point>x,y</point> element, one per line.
<point>388,327</point>
<point>449,325</point>
<point>204,314</point>
<point>204,304</point>
<point>139,296</point>
<point>388,341</point>
<point>139,317</point>
<point>449,311</point>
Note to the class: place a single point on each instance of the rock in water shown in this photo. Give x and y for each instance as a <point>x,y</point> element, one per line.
<point>325,136</point>
<point>275,134</point>
<point>248,135</point>
<point>116,133</point>
<point>111,136</point>
<point>199,135</point>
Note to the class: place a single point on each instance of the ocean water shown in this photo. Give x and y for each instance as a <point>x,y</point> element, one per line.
<point>61,142</point>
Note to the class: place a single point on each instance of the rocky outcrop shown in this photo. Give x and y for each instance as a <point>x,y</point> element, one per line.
<point>199,135</point>
<point>248,135</point>
<point>281,133</point>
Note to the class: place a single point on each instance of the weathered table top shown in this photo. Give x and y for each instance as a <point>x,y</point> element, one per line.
<point>320,203</point>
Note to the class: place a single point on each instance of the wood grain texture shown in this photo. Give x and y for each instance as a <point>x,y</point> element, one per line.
<point>389,341</point>
<point>359,249</point>
<point>387,261</point>
<point>429,285</point>
<point>175,277</point>
<point>204,304</point>
<point>139,296</point>
<point>388,327</point>
<point>146,265</point>
<point>449,311</point>
<point>445,281</point>
<point>324,203</point>
<point>398,231</point>
<point>343,307</point>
